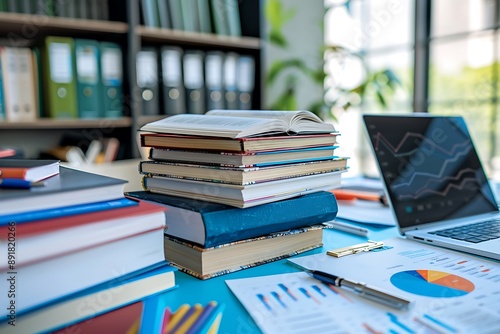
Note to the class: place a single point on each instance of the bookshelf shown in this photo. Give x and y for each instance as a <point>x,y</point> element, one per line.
<point>126,27</point>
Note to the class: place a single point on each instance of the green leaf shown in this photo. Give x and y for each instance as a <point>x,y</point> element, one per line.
<point>279,66</point>
<point>277,38</point>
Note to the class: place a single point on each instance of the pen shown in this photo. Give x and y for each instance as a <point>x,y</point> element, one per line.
<point>362,289</point>
<point>19,184</point>
<point>346,227</point>
<point>350,195</point>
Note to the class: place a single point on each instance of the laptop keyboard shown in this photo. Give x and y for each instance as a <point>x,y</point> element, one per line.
<point>475,233</point>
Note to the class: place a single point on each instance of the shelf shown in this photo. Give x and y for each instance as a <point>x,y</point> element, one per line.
<point>49,123</point>
<point>158,35</point>
<point>28,25</point>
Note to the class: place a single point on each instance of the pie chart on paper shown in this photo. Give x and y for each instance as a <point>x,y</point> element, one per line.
<point>432,283</point>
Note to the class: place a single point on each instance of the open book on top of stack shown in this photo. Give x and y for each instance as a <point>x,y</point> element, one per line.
<point>292,154</point>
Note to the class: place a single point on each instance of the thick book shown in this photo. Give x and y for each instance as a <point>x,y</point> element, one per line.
<point>210,262</point>
<point>242,123</point>
<point>240,175</point>
<point>80,232</point>
<point>209,224</point>
<point>242,196</point>
<point>84,310</point>
<point>46,281</point>
<point>69,187</point>
<point>255,144</point>
<point>28,169</point>
<point>244,159</point>
<point>65,211</point>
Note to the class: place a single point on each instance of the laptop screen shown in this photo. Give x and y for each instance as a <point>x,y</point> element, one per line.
<point>430,167</point>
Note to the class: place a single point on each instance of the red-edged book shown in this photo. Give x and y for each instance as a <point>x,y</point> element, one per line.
<point>254,144</point>
<point>42,239</point>
<point>27,169</point>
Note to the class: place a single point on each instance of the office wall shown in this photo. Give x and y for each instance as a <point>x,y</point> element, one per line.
<point>304,34</point>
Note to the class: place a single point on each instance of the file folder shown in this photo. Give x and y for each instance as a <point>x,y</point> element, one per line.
<point>219,17</point>
<point>60,83</point>
<point>204,16</point>
<point>18,84</point>
<point>147,80</point>
<point>87,78</point>
<point>230,73</point>
<point>164,14</point>
<point>174,100</point>
<point>246,81</point>
<point>214,61</point>
<point>233,18</point>
<point>111,68</point>
<point>175,10</point>
<point>194,82</point>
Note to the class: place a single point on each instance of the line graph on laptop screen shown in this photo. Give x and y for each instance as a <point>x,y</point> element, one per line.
<point>430,166</point>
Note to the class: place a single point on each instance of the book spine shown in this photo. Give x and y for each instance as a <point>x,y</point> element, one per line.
<point>227,226</point>
<point>66,211</point>
<point>12,173</point>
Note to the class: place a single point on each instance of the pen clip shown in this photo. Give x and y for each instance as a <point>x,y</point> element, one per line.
<point>354,249</point>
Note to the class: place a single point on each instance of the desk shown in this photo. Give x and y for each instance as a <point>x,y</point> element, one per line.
<point>235,318</point>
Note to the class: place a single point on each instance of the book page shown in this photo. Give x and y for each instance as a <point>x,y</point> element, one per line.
<point>301,121</point>
<point>274,114</point>
<point>215,125</point>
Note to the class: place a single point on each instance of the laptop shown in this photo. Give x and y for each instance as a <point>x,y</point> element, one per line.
<point>436,186</point>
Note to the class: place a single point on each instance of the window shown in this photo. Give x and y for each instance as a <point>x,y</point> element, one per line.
<point>444,54</point>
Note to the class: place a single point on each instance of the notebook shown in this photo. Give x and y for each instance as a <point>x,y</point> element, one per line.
<point>437,188</point>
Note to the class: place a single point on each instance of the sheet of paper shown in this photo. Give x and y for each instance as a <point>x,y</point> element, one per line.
<point>366,212</point>
<point>452,292</point>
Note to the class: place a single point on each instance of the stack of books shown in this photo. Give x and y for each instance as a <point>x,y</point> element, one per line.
<point>240,191</point>
<point>70,238</point>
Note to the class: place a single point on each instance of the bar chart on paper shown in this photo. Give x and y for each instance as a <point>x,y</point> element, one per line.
<point>298,303</point>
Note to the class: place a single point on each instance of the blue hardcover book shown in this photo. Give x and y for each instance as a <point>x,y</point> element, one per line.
<point>79,310</point>
<point>28,216</point>
<point>210,224</point>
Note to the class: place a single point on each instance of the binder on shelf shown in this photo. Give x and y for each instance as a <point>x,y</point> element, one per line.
<point>62,8</point>
<point>219,16</point>
<point>14,6</point>
<point>150,13</point>
<point>103,10</point>
<point>4,6</point>
<point>18,84</point>
<point>194,81</point>
<point>59,79</point>
<point>37,68</point>
<point>2,101</point>
<point>204,16</point>
<point>94,9</point>
<point>83,9</point>
<point>230,87</point>
<point>176,14</point>
<point>246,81</point>
<point>164,14</point>
<point>214,61</point>
<point>147,80</point>
<point>27,6</point>
<point>233,17</point>
<point>87,78</point>
<point>174,100</point>
<point>189,12</point>
<point>111,69</point>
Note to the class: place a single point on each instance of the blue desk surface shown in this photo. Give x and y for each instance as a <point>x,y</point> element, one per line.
<point>235,318</point>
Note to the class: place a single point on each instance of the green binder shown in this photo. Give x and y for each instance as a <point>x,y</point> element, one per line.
<point>112,79</point>
<point>88,84</point>
<point>59,78</point>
